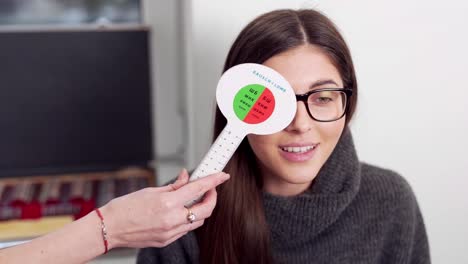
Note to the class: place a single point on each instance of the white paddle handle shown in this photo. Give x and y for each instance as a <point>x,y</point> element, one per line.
<point>218,156</point>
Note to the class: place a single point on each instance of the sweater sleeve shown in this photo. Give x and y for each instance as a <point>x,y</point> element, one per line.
<point>148,256</point>
<point>184,250</point>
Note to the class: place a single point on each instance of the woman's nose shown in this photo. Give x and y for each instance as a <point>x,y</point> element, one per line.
<point>302,122</point>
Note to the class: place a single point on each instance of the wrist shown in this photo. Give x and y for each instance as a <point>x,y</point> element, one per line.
<point>103,231</point>
<point>110,222</point>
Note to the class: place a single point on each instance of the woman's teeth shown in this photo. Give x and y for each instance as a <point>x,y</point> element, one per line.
<point>297,149</point>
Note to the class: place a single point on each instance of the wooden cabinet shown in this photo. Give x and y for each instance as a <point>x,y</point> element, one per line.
<point>32,206</point>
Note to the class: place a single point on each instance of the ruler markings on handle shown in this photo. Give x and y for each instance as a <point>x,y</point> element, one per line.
<point>218,156</point>
<point>220,152</point>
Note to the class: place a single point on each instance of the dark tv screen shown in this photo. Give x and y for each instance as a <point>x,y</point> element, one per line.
<point>76,100</point>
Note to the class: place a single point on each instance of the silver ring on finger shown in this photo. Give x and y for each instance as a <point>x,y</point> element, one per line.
<point>191,217</point>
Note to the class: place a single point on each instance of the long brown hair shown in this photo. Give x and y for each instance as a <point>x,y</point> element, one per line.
<point>237,231</point>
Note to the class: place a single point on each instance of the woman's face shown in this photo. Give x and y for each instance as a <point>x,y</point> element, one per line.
<point>287,169</point>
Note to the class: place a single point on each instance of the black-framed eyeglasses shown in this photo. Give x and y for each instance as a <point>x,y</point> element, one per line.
<point>326,104</point>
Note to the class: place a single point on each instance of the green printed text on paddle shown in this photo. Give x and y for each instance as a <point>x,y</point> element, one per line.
<point>254,103</point>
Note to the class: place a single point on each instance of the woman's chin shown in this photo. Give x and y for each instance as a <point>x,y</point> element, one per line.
<point>292,182</point>
<point>299,173</point>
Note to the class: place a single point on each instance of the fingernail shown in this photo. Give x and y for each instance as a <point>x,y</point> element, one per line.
<point>225,176</point>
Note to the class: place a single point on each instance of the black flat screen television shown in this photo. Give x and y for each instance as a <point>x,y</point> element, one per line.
<point>74,100</point>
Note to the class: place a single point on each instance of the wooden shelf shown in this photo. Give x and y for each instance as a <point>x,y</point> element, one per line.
<point>25,194</point>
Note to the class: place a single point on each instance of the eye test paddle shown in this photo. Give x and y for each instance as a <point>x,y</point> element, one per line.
<point>254,99</point>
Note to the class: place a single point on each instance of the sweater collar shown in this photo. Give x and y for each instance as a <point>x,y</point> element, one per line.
<point>300,218</point>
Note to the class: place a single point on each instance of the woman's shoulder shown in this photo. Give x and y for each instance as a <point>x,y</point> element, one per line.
<point>385,185</point>
<point>183,250</point>
<point>387,198</point>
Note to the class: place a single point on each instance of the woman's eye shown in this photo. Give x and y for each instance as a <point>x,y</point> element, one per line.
<point>323,100</point>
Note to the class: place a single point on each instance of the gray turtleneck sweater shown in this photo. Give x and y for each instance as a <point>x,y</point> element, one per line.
<point>353,213</point>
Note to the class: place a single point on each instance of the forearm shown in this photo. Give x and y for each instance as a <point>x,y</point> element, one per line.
<point>151,217</point>
<point>77,242</point>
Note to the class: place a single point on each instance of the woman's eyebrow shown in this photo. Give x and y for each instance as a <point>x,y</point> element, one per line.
<point>322,82</point>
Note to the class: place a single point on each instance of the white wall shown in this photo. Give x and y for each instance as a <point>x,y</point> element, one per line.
<point>168,79</point>
<point>411,62</point>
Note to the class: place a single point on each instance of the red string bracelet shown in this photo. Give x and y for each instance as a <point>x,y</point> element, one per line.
<point>103,230</point>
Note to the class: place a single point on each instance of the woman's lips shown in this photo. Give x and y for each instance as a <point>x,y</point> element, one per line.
<point>298,153</point>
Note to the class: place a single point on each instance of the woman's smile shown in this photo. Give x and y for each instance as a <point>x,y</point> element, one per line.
<point>298,152</point>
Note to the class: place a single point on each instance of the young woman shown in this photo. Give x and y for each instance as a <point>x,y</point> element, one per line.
<point>302,195</point>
